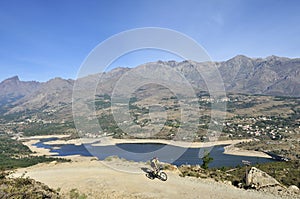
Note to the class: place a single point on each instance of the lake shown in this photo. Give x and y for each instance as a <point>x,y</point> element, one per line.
<point>145,151</point>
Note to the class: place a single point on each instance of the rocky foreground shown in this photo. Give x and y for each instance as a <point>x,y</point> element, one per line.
<point>24,188</point>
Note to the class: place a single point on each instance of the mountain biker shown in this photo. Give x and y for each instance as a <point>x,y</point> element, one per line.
<point>154,164</point>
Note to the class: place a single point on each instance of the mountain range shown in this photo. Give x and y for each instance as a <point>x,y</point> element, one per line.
<point>267,76</point>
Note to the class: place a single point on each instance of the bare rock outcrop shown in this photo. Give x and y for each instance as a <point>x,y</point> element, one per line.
<point>258,179</point>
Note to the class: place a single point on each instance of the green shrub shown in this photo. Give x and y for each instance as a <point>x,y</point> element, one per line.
<point>206,160</point>
<point>75,194</point>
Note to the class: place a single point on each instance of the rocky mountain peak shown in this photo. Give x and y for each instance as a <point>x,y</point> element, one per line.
<point>11,80</point>
<point>239,59</point>
<point>14,78</point>
<point>274,57</point>
<point>13,89</point>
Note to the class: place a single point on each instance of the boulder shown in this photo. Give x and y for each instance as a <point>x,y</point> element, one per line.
<point>53,162</point>
<point>258,179</point>
<point>240,185</point>
<point>293,189</point>
<point>227,182</point>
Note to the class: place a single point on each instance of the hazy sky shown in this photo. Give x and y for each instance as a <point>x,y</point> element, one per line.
<point>42,39</point>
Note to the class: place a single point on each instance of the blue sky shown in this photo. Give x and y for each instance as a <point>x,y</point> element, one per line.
<point>43,39</point>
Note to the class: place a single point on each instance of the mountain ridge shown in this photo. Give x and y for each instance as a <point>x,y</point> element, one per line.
<point>272,75</point>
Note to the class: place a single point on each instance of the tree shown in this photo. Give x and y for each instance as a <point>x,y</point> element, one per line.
<point>206,160</point>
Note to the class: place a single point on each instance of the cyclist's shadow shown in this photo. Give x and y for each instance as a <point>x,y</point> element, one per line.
<point>148,173</point>
<point>146,170</point>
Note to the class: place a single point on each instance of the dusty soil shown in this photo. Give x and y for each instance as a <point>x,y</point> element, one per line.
<point>97,179</point>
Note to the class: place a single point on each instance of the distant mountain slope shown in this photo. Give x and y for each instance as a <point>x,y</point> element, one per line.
<point>51,94</point>
<point>13,89</point>
<point>271,76</point>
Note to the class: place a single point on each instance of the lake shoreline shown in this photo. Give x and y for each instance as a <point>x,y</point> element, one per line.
<point>230,149</point>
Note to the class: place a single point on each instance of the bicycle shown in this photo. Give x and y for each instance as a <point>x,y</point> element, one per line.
<point>159,174</point>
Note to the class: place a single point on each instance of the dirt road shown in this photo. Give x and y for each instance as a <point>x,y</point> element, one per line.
<point>97,180</point>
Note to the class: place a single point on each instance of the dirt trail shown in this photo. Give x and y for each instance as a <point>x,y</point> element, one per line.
<point>97,180</point>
